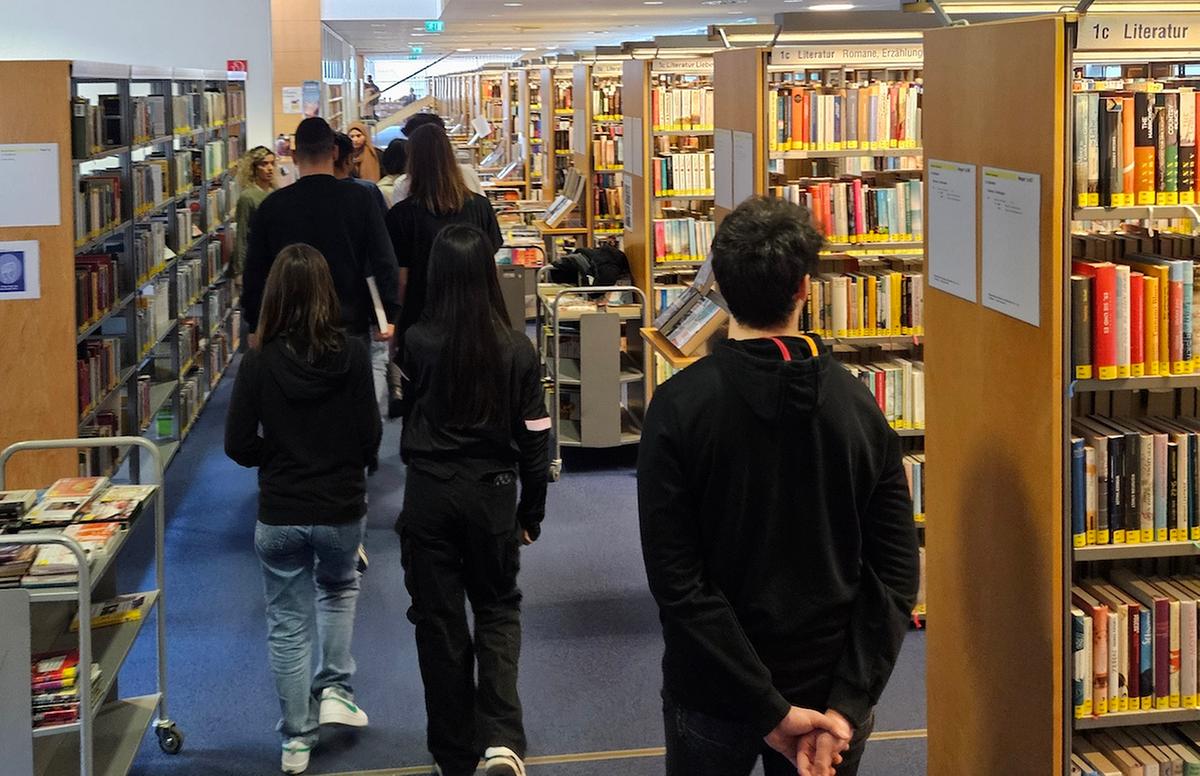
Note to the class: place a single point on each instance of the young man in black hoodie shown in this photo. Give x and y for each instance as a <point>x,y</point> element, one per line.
<point>776,527</point>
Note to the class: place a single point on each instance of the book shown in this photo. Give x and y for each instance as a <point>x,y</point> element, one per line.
<point>118,502</point>
<point>15,503</point>
<point>76,487</point>
<point>123,608</point>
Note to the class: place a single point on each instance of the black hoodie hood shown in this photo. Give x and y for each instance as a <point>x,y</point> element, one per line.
<point>775,389</point>
<point>299,380</point>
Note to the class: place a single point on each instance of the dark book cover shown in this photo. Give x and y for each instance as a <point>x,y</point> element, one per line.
<point>1160,148</point>
<point>1111,170</point>
<point>1171,119</point>
<point>1081,326</point>
<point>1144,147</point>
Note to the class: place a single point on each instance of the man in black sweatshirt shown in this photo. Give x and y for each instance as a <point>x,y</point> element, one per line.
<point>777,527</point>
<point>340,219</point>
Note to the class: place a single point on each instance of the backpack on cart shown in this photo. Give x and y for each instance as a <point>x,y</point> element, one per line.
<point>602,266</point>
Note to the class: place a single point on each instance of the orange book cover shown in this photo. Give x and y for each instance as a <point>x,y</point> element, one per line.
<point>1127,150</point>
<point>798,117</point>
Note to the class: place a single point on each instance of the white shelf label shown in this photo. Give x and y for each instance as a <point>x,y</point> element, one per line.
<point>951,228</point>
<point>881,54</point>
<point>1011,243</point>
<point>1107,32</point>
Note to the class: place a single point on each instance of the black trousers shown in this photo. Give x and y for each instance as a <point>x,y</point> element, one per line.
<point>459,541</point>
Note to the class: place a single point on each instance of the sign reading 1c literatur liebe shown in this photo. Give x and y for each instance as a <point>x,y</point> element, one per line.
<point>1106,32</point>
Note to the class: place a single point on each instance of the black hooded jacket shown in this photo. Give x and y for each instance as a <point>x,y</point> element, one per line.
<point>320,430</point>
<point>777,532</point>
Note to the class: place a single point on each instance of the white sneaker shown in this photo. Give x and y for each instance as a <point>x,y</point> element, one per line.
<point>295,756</point>
<point>338,709</point>
<point>502,761</point>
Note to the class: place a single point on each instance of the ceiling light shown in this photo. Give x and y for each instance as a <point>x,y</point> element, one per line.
<point>464,49</point>
<point>512,5</point>
<point>831,7</point>
<point>652,2</point>
<point>528,48</point>
<point>378,25</point>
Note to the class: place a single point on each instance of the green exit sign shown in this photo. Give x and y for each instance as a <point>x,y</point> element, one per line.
<point>435,26</point>
<point>416,50</point>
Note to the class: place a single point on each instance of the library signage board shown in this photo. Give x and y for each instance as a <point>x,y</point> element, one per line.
<point>876,55</point>
<point>1011,252</point>
<point>312,98</point>
<point>1138,31</point>
<point>723,170</point>
<point>236,69</point>
<point>743,167</point>
<point>951,228</point>
<point>36,201</point>
<point>606,69</point>
<point>698,66</point>
<point>293,99</point>
<point>20,270</point>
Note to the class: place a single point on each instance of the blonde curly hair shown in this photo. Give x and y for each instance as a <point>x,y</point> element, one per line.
<point>249,162</point>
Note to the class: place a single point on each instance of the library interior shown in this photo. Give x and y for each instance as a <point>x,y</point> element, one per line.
<point>910,181</point>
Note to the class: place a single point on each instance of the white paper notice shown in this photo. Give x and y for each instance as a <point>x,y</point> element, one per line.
<point>633,145</point>
<point>20,270</point>
<point>1011,255</point>
<point>293,99</point>
<point>951,228</point>
<point>723,167</point>
<point>29,185</point>
<point>743,167</point>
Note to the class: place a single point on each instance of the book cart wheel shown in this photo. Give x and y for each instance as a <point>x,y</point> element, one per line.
<point>555,469</point>
<point>170,739</point>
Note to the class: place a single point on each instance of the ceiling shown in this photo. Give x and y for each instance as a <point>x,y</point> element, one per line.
<point>509,28</point>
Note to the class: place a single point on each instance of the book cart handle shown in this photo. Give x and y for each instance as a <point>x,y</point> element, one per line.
<point>85,588</point>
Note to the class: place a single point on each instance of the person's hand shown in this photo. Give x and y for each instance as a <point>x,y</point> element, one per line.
<point>385,335</point>
<point>526,539</point>
<point>797,736</point>
<point>821,750</point>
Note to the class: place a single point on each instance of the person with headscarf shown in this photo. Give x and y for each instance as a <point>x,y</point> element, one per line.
<point>366,155</point>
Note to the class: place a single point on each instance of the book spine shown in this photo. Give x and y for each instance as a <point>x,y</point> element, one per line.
<point>1144,148</point>
<point>1162,654</point>
<point>1135,657</point>
<point>1080,675</point>
<point>1104,331</point>
<point>1122,323</point>
<point>1100,660</point>
<point>1090,496</point>
<point>1137,323</point>
<point>1146,658</point>
<point>1078,494</point>
<point>1151,302</point>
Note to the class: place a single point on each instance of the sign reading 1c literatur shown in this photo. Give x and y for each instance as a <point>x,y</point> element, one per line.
<point>1106,32</point>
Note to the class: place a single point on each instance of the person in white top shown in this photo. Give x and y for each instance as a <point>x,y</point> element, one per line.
<point>470,177</point>
<point>393,163</point>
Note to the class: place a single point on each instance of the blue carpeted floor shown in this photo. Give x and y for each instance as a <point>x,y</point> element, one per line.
<point>590,671</point>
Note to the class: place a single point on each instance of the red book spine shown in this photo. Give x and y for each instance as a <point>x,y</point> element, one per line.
<point>1137,324</point>
<point>859,221</point>
<point>1162,653</point>
<point>1104,318</point>
<point>881,390</point>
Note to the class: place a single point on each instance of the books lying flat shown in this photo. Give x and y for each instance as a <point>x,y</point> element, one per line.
<point>76,487</point>
<point>119,503</point>
<point>123,608</point>
<point>15,503</point>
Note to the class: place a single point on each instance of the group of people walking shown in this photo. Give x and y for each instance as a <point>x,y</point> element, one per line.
<point>775,517</point>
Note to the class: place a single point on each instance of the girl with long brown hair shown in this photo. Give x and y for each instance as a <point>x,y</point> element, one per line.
<point>309,387</point>
<point>256,178</point>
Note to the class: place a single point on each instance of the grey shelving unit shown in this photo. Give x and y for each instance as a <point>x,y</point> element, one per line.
<point>592,353</point>
<point>110,730</point>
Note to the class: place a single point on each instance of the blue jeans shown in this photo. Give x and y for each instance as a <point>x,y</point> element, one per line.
<point>310,579</point>
<point>702,745</point>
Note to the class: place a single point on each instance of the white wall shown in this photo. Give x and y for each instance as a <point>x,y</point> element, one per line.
<point>164,33</point>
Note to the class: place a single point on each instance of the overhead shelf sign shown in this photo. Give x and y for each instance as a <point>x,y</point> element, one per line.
<point>874,54</point>
<point>1109,32</point>
<point>701,66</point>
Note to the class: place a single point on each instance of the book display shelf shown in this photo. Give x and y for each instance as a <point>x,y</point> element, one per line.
<point>598,149</point>
<point>146,192</point>
<point>531,126</point>
<point>1082,515</point>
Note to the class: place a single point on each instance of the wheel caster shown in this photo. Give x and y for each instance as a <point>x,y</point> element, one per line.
<point>170,739</point>
<point>555,471</point>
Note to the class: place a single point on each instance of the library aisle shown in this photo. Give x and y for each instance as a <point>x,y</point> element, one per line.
<point>590,664</point>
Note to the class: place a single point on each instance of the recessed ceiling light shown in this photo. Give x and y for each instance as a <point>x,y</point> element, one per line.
<point>378,25</point>
<point>464,49</point>
<point>512,5</point>
<point>528,48</point>
<point>831,7</point>
<point>652,2</point>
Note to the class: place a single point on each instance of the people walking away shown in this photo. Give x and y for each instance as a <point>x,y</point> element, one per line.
<point>394,162</point>
<point>340,219</point>
<point>469,176</point>
<point>256,178</point>
<point>344,166</point>
<point>371,94</point>
<point>776,526</point>
<point>366,155</point>
<point>307,386</point>
<point>438,197</point>
<point>475,424</point>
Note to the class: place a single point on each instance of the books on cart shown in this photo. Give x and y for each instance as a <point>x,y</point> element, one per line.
<point>118,503</point>
<point>122,609</point>
<point>55,686</point>
<point>14,504</point>
<point>65,499</point>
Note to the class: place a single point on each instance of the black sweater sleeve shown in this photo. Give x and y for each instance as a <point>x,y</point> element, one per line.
<point>370,426</point>
<point>242,441</point>
<point>886,592</point>
<point>258,265</point>
<point>532,432</point>
<point>382,258</point>
<point>695,612</point>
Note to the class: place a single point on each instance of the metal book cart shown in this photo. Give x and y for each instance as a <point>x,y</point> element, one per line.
<point>108,733</point>
<point>591,351</point>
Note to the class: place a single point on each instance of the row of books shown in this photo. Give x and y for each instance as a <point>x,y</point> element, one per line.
<point>570,193</point>
<point>151,180</point>
<point>872,116</point>
<point>154,311</point>
<point>100,461</point>
<point>150,246</point>
<point>914,468</point>
<point>859,211</point>
<point>197,110</point>
<point>564,98</point>
<point>95,126</point>
<point>608,151</point>
<point>683,175</point>
<point>1135,480</point>
<point>1135,147</point>
<point>1132,317</point>
<point>98,203</point>
<point>1134,643</point>
<point>682,239</point>
<point>216,158</point>
<point>518,255</point>
<point>149,117</point>
<point>675,108</point>
<point>189,282</point>
<point>606,101</point>
<point>1158,749</point>
<point>871,303</point>
<point>98,286</point>
<point>898,387</point>
<point>98,368</point>
<point>55,687</point>
<point>608,205</point>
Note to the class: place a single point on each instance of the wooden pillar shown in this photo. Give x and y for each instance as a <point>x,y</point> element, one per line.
<point>296,49</point>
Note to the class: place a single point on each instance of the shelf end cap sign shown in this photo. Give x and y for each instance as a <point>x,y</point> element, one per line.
<point>236,69</point>
<point>1138,31</point>
<point>435,25</point>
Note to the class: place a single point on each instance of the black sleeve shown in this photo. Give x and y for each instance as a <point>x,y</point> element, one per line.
<point>398,231</point>
<point>886,592</point>
<point>531,429</point>
<point>491,225</point>
<point>692,610</point>
<point>382,260</point>
<point>258,265</point>
<point>242,441</point>
<point>369,423</point>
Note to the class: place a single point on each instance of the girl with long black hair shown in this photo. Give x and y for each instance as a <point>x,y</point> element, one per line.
<point>475,424</point>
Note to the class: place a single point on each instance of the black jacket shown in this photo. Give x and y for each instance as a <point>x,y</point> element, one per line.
<point>342,220</point>
<point>778,535</point>
<point>520,442</point>
<point>413,230</point>
<point>320,430</point>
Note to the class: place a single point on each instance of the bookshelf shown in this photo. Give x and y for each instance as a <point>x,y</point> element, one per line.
<point>143,305</point>
<point>531,126</point>
<point>597,148</point>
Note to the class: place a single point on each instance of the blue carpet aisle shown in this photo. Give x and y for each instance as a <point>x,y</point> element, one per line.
<point>590,668</point>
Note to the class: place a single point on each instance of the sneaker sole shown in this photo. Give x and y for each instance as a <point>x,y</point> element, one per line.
<point>342,717</point>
